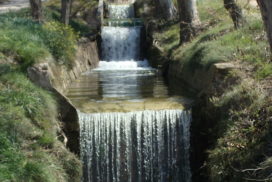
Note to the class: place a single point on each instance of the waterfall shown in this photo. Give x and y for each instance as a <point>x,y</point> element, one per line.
<point>121,11</point>
<point>142,146</point>
<point>139,146</point>
<point>120,43</point>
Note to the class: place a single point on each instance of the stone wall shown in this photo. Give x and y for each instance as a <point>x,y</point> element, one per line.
<point>207,83</point>
<point>51,75</point>
<point>56,78</point>
<point>200,79</point>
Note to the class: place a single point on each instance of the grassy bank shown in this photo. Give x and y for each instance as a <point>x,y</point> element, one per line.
<point>219,41</point>
<point>29,145</point>
<point>27,42</point>
<point>30,133</point>
<point>236,115</point>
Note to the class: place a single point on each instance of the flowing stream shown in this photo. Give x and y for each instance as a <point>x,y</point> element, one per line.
<point>142,146</point>
<point>134,127</point>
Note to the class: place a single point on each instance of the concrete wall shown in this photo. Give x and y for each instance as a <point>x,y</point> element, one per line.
<point>56,78</point>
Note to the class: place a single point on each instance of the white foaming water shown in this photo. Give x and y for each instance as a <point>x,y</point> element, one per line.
<point>121,11</point>
<point>120,43</point>
<point>124,65</point>
<point>142,146</point>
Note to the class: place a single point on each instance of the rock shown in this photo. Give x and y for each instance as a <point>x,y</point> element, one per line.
<point>225,66</point>
<point>40,74</point>
<point>56,78</point>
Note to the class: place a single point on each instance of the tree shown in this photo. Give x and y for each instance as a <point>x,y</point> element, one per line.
<point>266,7</point>
<point>235,12</point>
<point>36,9</point>
<point>167,8</point>
<point>189,20</point>
<point>66,11</point>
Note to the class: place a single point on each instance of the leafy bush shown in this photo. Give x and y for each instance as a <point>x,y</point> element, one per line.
<point>61,41</point>
<point>19,39</point>
<point>28,41</point>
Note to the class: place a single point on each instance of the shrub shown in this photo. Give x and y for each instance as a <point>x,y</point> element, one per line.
<point>28,41</point>
<point>19,39</point>
<point>61,41</point>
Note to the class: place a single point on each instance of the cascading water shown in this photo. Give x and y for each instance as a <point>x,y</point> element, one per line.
<point>137,133</point>
<point>121,11</point>
<point>120,43</point>
<point>143,146</point>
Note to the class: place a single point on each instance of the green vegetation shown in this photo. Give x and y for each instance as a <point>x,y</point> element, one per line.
<point>239,107</point>
<point>81,14</point>
<point>220,42</point>
<point>243,134</point>
<point>29,148</point>
<point>28,42</point>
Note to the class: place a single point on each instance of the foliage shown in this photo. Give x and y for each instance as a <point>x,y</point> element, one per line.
<point>219,42</point>
<point>28,41</point>
<point>239,137</point>
<point>242,136</point>
<point>61,41</point>
<point>19,38</point>
<point>29,149</point>
<point>77,22</point>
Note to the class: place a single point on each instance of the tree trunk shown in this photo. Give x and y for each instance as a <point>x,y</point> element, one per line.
<point>167,8</point>
<point>235,12</point>
<point>65,11</point>
<point>189,19</point>
<point>266,10</point>
<point>36,9</point>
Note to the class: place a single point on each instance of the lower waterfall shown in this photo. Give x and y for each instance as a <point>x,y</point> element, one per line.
<point>140,146</point>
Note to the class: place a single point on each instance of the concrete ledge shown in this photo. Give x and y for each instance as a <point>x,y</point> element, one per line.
<point>56,78</point>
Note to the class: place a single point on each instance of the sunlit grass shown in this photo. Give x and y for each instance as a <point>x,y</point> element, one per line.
<point>29,148</point>
<point>219,43</point>
<point>28,42</point>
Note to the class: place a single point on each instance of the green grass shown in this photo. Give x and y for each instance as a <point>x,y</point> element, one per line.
<point>243,134</point>
<point>29,42</point>
<point>29,149</point>
<point>212,11</point>
<point>239,110</point>
<point>18,40</point>
<point>220,42</point>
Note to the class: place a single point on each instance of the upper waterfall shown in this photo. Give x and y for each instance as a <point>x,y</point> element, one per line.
<point>121,11</point>
<point>121,44</point>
